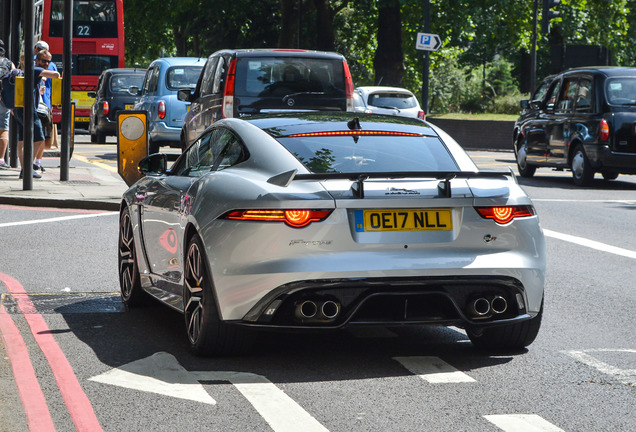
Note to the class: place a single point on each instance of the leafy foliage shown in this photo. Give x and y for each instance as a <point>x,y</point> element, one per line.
<point>477,68</point>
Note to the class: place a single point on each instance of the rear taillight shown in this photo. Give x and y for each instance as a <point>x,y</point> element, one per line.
<point>604,130</point>
<point>505,214</point>
<point>293,218</point>
<point>421,115</point>
<point>161,110</point>
<point>228,94</point>
<point>348,87</point>
<point>106,108</point>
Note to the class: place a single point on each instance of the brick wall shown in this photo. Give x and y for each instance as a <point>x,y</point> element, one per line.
<point>478,134</point>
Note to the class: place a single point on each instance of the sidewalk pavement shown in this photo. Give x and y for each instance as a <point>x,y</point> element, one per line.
<point>89,186</point>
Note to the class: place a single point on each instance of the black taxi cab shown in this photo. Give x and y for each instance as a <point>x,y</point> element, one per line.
<point>583,120</point>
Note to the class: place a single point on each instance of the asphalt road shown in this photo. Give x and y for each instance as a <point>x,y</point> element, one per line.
<point>119,370</point>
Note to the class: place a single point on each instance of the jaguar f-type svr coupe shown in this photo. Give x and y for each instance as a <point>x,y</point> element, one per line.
<point>318,221</point>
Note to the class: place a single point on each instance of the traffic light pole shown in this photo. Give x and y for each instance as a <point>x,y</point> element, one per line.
<point>533,55</point>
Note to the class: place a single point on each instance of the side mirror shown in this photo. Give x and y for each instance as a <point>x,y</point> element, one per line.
<point>92,94</point>
<point>185,95</point>
<point>133,91</point>
<point>525,103</point>
<point>155,164</point>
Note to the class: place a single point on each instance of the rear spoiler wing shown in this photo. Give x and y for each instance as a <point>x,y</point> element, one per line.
<point>444,189</point>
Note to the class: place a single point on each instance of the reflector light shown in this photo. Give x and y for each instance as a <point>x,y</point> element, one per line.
<point>106,108</point>
<point>604,130</point>
<point>228,94</point>
<point>293,218</point>
<point>161,110</point>
<point>353,132</point>
<point>421,115</point>
<point>348,87</point>
<point>504,215</point>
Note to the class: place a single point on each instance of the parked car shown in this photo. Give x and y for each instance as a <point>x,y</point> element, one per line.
<point>582,120</point>
<point>237,83</point>
<point>112,96</point>
<point>158,96</point>
<point>319,221</point>
<point>390,101</point>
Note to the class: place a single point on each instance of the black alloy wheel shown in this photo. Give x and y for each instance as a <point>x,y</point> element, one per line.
<point>207,333</point>
<point>129,282</point>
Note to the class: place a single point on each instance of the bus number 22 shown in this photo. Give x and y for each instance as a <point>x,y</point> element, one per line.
<point>83,30</point>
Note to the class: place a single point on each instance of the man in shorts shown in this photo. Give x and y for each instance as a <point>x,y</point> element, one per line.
<point>18,113</point>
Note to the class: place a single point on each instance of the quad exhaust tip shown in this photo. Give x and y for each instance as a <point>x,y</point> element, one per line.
<point>319,311</point>
<point>483,307</point>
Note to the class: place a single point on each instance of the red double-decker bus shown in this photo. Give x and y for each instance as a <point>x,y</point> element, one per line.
<point>98,44</point>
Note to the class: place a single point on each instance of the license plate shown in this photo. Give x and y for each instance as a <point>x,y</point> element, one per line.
<point>128,107</point>
<point>403,220</point>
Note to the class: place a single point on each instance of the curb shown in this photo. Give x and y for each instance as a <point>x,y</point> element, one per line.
<point>60,203</point>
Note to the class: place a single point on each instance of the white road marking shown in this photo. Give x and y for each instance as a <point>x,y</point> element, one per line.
<point>160,373</point>
<point>280,411</point>
<point>591,244</point>
<point>56,219</point>
<point>626,376</point>
<point>433,370</point>
<point>522,423</point>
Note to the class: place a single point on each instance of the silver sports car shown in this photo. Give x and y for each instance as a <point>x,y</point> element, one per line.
<point>324,220</point>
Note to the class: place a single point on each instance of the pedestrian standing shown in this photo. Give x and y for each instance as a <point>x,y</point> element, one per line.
<point>50,130</point>
<point>18,113</point>
<point>5,113</point>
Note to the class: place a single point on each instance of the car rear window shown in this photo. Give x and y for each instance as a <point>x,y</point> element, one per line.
<point>355,153</point>
<point>280,76</point>
<point>621,91</point>
<point>393,100</point>
<point>182,77</point>
<point>121,83</point>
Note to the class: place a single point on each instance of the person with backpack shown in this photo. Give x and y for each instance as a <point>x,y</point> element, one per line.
<point>6,66</point>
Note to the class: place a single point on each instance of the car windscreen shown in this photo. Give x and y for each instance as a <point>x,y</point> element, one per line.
<point>621,90</point>
<point>280,76</point>
<point>393,100</point>
<point>121,82</point>
<point>374,153</point>
<point>182,77</point>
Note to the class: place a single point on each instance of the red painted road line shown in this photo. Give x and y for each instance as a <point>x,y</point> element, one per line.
<point>78,404</point>
<point>33,401</point>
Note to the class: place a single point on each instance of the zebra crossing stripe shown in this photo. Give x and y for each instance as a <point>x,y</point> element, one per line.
<point>522,423</point>
<point>433,369</point>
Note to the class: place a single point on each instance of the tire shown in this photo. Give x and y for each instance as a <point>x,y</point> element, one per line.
<point>525,170</point>
<point>610,175</point>
<point>582,171</point>
<point>93,138</point>
<point>153,147</point>
<point>129,282</point>
<point>207,333</point>
<point>101,137</point>
<point>509,337</point>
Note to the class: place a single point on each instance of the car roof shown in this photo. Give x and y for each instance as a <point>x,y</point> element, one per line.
<point>279,52</point>
<point>180,61</point>
<point>605,70</point>
<point>125,70</point>
<point>376,89</point>
<point>307,122</point>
